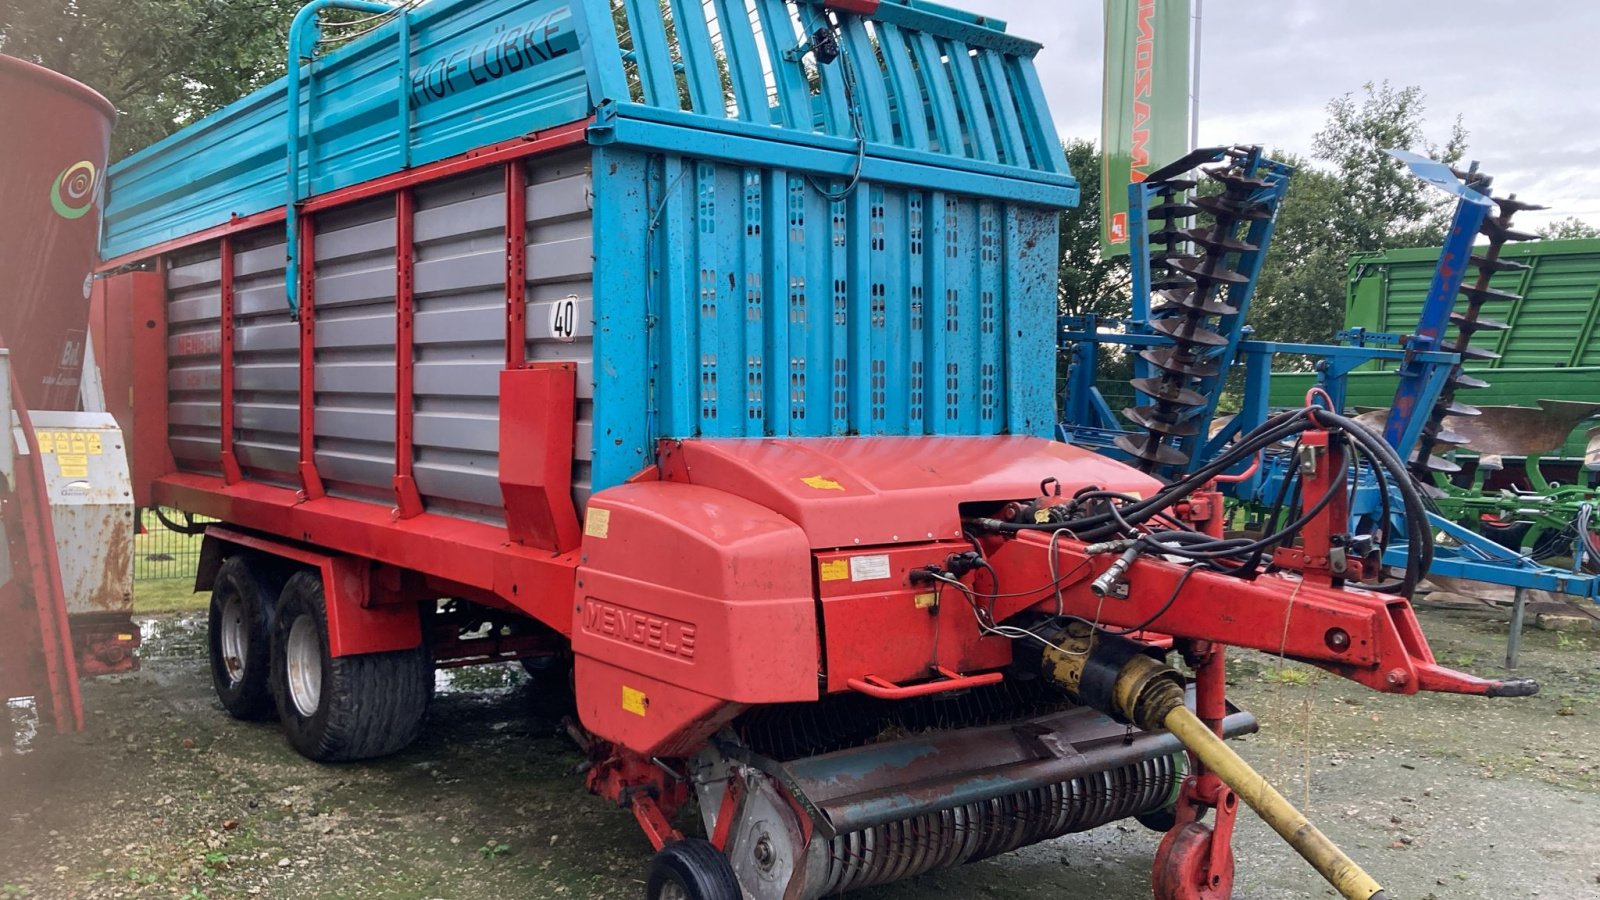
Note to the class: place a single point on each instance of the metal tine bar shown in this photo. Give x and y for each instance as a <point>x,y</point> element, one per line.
<point>971,98</point>
<point>870,93</point>
<point>941,101</point>
<point>699,57</point>
<point>656,71</point>
<point>1002,103</point>
<point>963,832</point>
<point>744,63</point>
<point>794,96</point>
<point>911,111</point>
<point>1039,126</point>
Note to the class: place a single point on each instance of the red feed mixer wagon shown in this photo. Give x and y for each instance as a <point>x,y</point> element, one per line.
<point>720,367</point>
<point>67,518</point>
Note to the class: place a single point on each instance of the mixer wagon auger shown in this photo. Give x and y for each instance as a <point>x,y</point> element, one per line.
<point>718,368</point>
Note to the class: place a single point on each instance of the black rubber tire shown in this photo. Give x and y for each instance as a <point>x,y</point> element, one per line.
<point>369,705</point>
<point>245,695</point>
<point>699,869</point>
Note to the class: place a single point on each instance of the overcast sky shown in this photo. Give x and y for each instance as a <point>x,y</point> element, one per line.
<point>1524,75</point>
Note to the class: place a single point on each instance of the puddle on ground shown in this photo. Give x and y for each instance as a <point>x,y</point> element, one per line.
<point>491,678</point>
<point>180,637</point>
<point>21,723</point>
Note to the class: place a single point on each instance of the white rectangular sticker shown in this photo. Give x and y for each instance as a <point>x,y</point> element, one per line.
<point>869,568</point>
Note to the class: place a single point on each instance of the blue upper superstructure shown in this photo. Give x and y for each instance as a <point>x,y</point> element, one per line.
<point>786,241</point>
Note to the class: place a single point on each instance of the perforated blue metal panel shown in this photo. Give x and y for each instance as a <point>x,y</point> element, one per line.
<point>739,301</point>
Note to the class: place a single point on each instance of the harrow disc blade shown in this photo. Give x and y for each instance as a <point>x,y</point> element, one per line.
<point>1193,300</point>
<point>1225,208</point>
<point>1481,294</point>
<point>1440,464</point>
<point>1206,237</point>
<point>1498,230</point>
<point>1457,408</point>
<point>1235,180</point>
<point>1170,186</point>
<point>1466,324</point>
<point>1161,389</point>
<point>1467,352</point>
<point>1188,331</point>
<point>1160,422</point>
<point>1219,273</point>
<point>1172,211</point>
<point>1148,449</point>
<point>1510,204</point>
<point>1463,380</point>
<point>1185,164</point>
<point>1496,264</point>
<point>1168,360</point>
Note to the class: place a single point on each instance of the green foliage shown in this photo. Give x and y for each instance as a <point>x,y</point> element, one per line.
<point>1089,283</point>
<point>1351,197</point>
<point>1568,228</point>
<point>162,63</point>
<point>493,850</point>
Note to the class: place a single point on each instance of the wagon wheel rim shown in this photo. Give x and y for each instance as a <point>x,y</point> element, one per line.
<point>235,639</point>
<point>303,664</point>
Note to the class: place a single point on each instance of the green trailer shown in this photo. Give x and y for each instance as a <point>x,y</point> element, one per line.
<point>1551,351</point>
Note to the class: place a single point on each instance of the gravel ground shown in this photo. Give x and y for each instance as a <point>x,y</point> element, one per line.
<point>163,796</point>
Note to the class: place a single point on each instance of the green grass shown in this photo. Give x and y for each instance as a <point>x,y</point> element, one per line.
<point>168,595</point>
<point>163,570</point>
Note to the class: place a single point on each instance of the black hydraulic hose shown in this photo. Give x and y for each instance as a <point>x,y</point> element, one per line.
<point>1420,536</point>
<point>1363,443</point>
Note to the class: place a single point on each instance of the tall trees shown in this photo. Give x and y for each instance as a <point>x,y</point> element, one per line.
<point>1089,283</point>
<point>1350,197</point>
<point>163,63</point>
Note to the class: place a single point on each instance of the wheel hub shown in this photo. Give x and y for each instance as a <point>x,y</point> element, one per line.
<point>234,636</point>
<point>303,664</point>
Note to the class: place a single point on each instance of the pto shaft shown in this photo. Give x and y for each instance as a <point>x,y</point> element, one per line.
<point>1114,676</point>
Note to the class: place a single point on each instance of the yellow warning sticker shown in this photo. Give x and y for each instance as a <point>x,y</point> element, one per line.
<point>73,465</point>
<point>833,570</point>
<point>597,524</point>
<point>94,443</point>
<point>821,483</point>
<point>79,444</point>
<point>634,701</point>
<point>47,441</point>
<point>925,601</point>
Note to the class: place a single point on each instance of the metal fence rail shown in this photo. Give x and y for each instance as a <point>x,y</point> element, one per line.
<point>159,553</point>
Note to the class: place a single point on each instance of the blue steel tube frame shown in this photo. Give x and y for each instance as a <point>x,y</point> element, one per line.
<point>305,28</point>
<point>1410,413</point>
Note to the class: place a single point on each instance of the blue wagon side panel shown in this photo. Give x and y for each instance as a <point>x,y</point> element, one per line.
<point>738,301</point>
<point>481,72</point>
